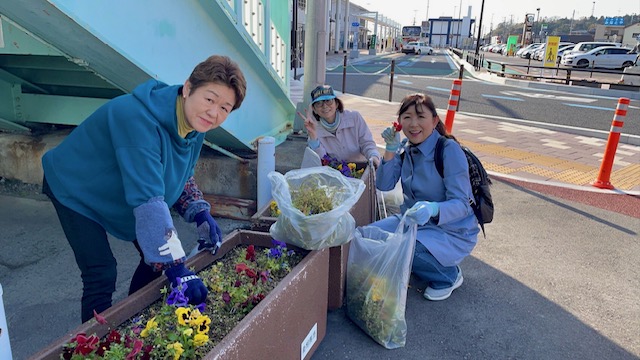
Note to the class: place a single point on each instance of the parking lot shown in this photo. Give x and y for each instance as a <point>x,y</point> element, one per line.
<point>535,68</point>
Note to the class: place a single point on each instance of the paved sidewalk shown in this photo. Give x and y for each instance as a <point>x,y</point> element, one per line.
<point>515,148</point>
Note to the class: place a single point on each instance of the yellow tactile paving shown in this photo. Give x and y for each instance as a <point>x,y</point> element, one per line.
<point>574,165</point>
<point>627,177</point>
<point>576,177</point>
<point>498,168</point>
<point>531,169</point>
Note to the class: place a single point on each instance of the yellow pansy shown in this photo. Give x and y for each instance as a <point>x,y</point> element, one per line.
<point>200,339</point>
<point>151,324</point>
<point>184,315</point>
<point>195,313</point>
<point>177,350</point>
<point>202,324</point>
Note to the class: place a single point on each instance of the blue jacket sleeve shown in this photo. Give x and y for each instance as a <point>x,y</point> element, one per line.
<point>156,234</point>
<point>388,173</point>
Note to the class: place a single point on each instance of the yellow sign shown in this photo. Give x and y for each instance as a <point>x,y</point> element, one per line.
<point>551,51</point>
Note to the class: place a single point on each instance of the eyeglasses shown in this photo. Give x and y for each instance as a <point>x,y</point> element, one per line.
<point>323,103</point>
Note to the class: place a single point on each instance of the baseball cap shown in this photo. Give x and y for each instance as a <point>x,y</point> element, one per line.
<point>322,92</point>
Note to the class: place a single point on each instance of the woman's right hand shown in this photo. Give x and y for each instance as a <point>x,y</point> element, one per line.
<point>391,138</point>
<point>310,123</point>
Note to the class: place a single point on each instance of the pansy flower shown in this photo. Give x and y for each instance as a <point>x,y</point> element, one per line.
<point>251,253</point>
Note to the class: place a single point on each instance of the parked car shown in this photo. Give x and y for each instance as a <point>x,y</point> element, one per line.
<point>526,54</point>
<point>526,48</point>
<point>583,47</point>
<point>611,57</point>
<point>562,49</point>
<point>539,54</point>
<point>417,47</point>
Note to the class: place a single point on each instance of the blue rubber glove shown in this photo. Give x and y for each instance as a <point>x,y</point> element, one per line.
<point>391,138</point>
<point>422,211</point>
<point>209,233</point>
<point>195,290</point>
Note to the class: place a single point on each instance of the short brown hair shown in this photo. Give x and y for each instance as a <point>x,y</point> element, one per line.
<point>220,70</point>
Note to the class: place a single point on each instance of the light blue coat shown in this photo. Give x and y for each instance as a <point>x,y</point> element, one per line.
<point>452,235</point>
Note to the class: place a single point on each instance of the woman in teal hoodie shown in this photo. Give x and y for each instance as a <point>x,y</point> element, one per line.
<point>122,168</point>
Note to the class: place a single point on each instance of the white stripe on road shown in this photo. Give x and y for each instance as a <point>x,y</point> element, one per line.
<point>438,89</point>
<point>547,96</point>
<point>590,107</point>
<point>503,97</point>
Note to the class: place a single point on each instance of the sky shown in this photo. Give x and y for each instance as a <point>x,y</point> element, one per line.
<point>498,11</point>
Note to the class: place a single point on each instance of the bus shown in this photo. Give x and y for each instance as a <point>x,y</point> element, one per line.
<point>412,33</point>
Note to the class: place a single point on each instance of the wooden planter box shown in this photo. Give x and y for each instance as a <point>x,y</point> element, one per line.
<point>289,323</point>
<point>364,212</point>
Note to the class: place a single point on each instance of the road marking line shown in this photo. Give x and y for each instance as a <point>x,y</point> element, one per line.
<point>502,97</point>
<point>590,107</point>
<point>438,89</point>
<point>548,96</point>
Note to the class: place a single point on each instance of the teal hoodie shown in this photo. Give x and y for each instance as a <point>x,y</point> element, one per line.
<point>123,155</point>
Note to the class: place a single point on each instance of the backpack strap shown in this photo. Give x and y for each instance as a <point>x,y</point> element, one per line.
<point>438,155</point>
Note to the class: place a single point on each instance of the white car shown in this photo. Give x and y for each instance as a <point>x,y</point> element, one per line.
<point>417,47</point>
<point>611,57</point>
<point>526,48</point>
<point>539,54</point>
<point>583,47</point>
<point>526,54</point>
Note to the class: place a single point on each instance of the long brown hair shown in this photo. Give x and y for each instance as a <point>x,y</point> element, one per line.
<point>420,101</point>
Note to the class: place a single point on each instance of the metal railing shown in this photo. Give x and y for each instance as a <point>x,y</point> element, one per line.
<point>566,75</point>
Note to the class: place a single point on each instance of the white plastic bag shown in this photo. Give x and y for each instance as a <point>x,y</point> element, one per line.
<point>378,273</point>
<point>319,231</point>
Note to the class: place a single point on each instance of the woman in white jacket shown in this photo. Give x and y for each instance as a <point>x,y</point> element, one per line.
<point>340,133</point>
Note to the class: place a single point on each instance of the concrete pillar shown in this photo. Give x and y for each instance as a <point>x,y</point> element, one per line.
<point>337,26</point>
<point>315,47</point>
<point>347,27</point>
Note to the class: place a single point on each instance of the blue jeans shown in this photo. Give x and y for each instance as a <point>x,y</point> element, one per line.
<point>425,266</point>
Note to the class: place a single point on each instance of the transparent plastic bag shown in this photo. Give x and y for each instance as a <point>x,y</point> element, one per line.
<point>318,231</point>
<point>378,273</point>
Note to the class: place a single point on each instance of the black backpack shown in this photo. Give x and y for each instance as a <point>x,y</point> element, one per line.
<point>482,204</point>
<point>480,182</point>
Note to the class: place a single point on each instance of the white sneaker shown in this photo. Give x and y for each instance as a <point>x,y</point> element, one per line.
<point>442,294</point>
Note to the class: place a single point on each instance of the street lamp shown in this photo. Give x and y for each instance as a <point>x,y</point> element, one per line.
<point>534,25</point>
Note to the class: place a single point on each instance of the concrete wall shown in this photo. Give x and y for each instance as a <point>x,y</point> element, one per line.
<point>21,159</point>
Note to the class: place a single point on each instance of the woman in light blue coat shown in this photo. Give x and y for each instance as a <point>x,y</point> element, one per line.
<point>447,227</point>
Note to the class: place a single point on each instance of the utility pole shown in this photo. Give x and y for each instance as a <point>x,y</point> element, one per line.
<point>427,19</point>
<point>571,25</point>
<point>534,27</point>
<point>593,8</point>
<point>475,60</point>
<point>459,24</point>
